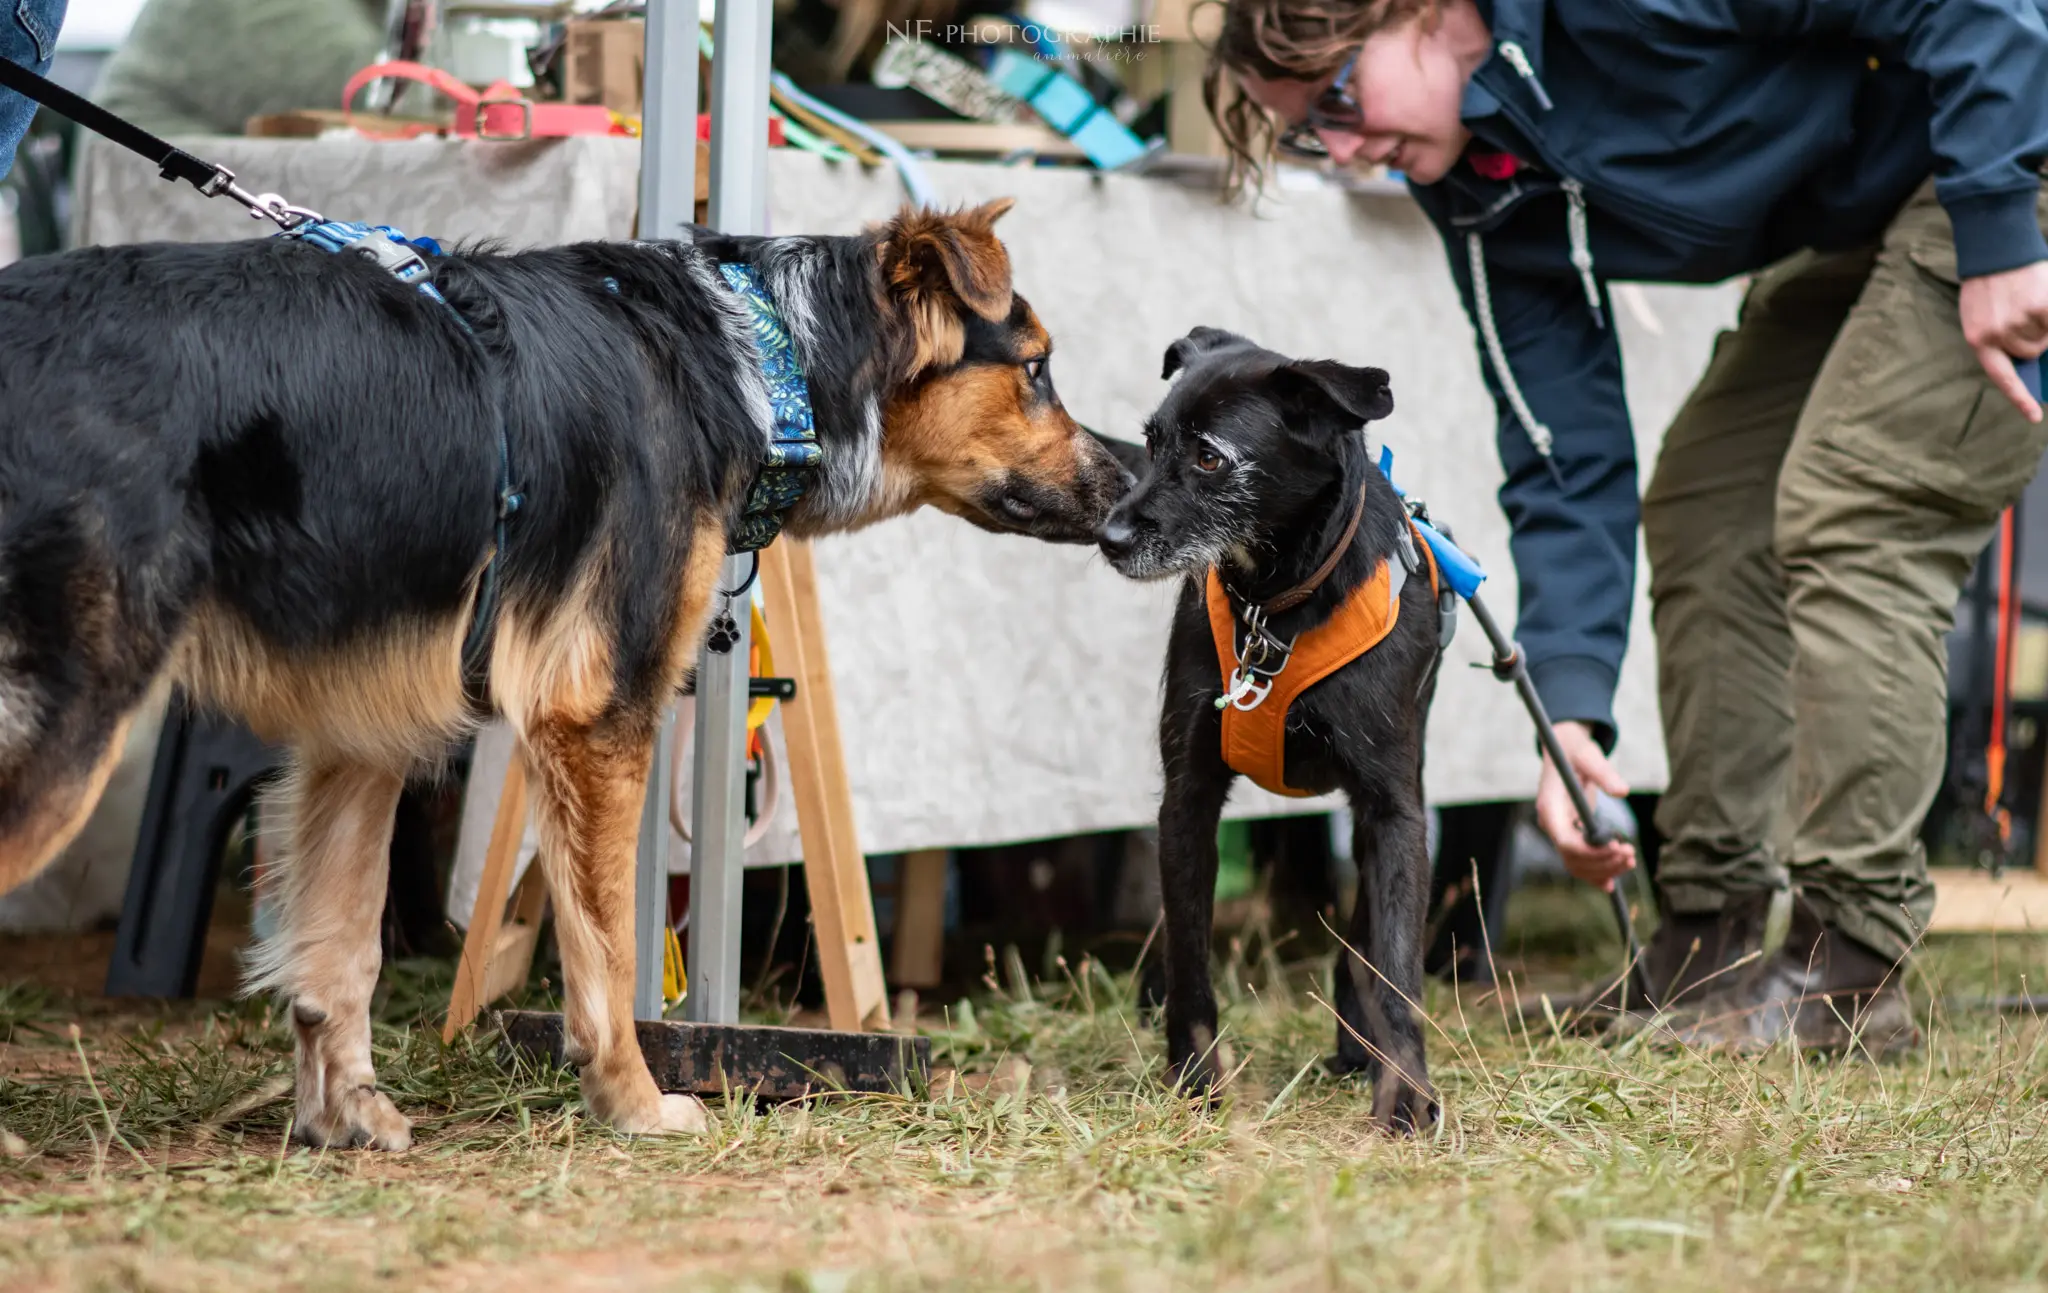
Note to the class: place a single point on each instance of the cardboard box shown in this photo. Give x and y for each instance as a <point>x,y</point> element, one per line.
<point>602,60</point>
<point>1187,28</point>
<point>1190,20</point>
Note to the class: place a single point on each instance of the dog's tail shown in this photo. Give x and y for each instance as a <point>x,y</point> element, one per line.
<point>80,645</point>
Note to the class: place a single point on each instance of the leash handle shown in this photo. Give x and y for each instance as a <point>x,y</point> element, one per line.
<point>1600,827</point>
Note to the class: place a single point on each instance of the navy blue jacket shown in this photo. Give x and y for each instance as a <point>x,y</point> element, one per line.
<point>1691,141</point>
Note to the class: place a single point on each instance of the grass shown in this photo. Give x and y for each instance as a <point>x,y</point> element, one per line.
<point>1056,1158</point>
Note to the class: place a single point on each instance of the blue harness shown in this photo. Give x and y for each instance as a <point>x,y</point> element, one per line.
<point>787,469</point>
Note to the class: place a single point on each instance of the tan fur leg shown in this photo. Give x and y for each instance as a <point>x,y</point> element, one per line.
<point>590,791</point>
<point>325,955</point>
<point>590,777</point>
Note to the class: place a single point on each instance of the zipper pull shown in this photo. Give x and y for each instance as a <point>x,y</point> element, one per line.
<point>1519,60</point>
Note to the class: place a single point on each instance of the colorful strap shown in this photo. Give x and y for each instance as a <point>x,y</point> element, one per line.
<point>945,79</point>
<point>1067,108</point>
<point>794,454</point>
<point>500,112</point>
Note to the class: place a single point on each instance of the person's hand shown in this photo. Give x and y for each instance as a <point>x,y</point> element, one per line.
<point>1560,821</point>
<point>2006,315</point>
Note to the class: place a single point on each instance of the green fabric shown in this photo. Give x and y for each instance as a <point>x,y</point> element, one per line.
<point>1814,512</point>
<point>207,66</point>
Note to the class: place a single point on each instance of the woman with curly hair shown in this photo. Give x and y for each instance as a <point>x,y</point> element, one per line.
<point>1820,499</point>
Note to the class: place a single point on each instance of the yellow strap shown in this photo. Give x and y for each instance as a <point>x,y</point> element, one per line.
<point>758,708</point>
<point>675,980</point>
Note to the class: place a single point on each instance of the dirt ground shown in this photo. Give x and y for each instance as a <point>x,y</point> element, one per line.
<point>150,1151</point>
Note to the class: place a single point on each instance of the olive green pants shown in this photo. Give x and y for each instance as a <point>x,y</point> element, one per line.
<point>1814,511</point>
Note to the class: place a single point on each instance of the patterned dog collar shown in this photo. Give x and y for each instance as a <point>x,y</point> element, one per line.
<point>794,454</point>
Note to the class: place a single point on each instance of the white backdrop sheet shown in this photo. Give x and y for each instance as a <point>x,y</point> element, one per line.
<point>993,689</point>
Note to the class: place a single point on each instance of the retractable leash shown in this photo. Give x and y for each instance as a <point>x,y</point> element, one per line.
<point>1601,817</point>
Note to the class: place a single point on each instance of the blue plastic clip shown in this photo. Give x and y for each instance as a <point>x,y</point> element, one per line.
<point>1459,570</point>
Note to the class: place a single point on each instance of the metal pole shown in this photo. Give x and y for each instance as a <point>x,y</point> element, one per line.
<point>668,199</point>
<point>650,885</point>
<point>668,120</point>
<point>739,205</point>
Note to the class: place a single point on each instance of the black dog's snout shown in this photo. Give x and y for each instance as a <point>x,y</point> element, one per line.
<point>1118,536</point>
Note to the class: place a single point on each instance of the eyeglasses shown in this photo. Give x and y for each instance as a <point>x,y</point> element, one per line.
<point>1334,109</point>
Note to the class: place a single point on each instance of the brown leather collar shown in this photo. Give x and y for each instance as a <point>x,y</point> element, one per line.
<point>1302,591</point>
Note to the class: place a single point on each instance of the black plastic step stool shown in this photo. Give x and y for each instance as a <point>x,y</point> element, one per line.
<point>206,768</point>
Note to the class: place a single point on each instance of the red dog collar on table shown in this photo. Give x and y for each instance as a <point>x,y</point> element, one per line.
<point>501,112</point>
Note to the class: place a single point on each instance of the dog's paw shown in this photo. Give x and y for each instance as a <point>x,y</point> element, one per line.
<point>683,1115</point>
<point>1200,1076</point>
<point>1401,1109</point>
<point>663,1115</point>
<point>362,1118</point>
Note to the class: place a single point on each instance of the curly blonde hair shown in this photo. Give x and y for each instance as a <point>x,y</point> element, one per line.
<point>1283,40</point>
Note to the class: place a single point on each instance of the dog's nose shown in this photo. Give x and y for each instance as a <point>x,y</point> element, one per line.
<point>1117,537</point>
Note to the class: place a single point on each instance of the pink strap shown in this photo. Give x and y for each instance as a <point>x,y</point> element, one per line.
<point>501,112</point>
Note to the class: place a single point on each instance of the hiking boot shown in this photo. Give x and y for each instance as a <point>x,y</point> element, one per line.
<point>1822,990</point>
<point>1688,955</point>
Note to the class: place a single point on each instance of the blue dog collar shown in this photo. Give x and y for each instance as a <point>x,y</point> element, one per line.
<point>794,454</point>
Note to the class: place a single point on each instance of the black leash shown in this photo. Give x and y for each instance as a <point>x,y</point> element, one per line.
<point>172,162</point>
<point>1600,823</point>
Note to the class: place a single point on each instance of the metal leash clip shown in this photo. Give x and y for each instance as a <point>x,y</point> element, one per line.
<point>1259,662</point>
<point>262,206</point>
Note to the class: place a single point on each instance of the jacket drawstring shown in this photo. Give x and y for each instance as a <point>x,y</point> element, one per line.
<point>1582,248</point>
<point>1482,299</point>
<point>1581,241</point>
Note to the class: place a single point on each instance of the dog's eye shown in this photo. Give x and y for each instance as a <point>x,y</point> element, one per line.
<point>1207,459</point>
<point>1034,368</point>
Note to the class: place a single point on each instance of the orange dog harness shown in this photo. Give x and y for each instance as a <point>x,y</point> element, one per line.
<point>1262,679</point>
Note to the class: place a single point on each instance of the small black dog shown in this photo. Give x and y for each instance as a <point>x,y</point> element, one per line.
<point>1260,472</point>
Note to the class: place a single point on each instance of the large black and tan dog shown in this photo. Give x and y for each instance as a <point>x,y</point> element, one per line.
<point>1260,473</point>
<point>272,473</point>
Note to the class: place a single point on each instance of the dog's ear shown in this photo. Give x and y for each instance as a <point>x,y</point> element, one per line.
<point>928,254</point>
<point>935,262</point>
<point>1360,395</point>
<point>1198,342</point>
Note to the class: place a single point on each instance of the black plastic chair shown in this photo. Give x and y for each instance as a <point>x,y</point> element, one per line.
<point>207,767</point>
